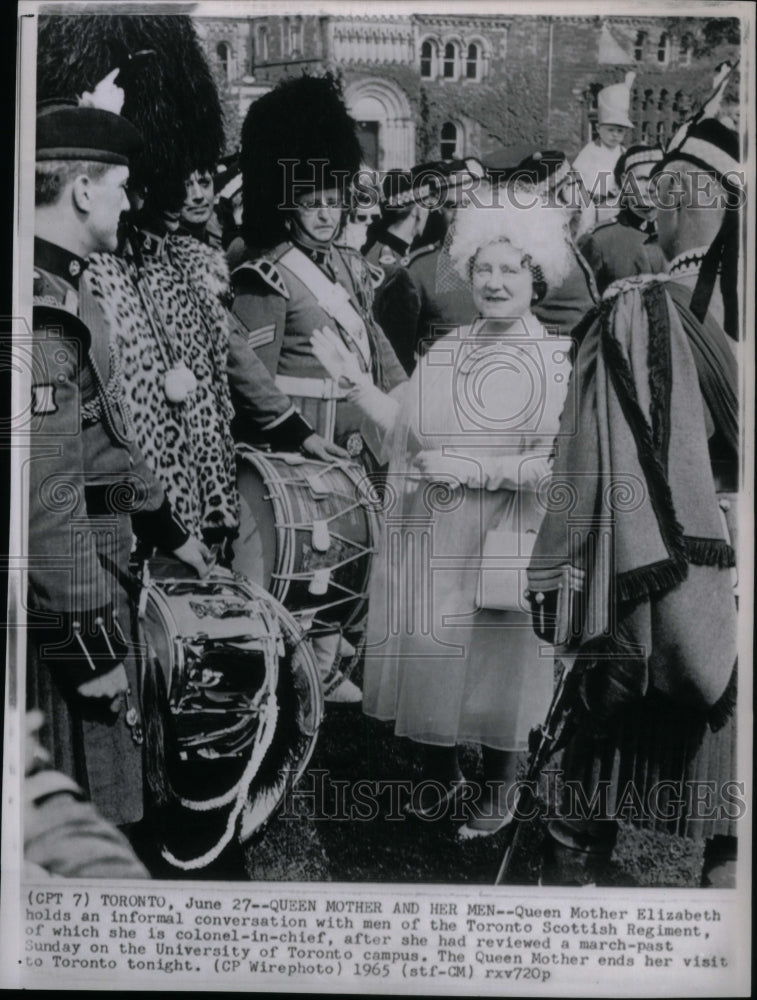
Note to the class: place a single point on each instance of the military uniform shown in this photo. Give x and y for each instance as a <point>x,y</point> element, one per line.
<point>86,478</point>
<point>622,247</point>
<point>388,252</point>
<point>280,299</point>
<point>564,307</point>
<point>411,310</point>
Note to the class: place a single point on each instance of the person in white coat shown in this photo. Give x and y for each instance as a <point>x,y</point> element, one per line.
<point>468,441</point>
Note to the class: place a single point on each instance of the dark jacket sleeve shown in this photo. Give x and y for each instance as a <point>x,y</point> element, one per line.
<point>58,554</point>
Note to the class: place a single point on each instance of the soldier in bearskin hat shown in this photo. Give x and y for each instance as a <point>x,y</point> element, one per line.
<point>300,156</point>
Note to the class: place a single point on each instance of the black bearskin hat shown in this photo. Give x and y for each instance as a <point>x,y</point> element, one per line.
<point>170,97</point>
<point>300,121</point>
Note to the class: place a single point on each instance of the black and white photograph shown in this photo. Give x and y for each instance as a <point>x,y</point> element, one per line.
<point>380,571</point>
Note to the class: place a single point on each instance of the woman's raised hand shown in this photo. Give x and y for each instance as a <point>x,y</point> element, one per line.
<point>336,358</point>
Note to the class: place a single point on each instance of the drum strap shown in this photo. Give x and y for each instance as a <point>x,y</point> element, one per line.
<point>333,298</point>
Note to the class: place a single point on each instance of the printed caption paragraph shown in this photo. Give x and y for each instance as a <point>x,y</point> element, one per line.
<point>355,940</point>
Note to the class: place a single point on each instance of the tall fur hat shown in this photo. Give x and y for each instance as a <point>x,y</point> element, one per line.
<point>171,97</point>
<point>301,121</point>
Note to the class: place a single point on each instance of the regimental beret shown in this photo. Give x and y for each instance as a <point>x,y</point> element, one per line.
<point>710,145</point>
<point>66,131</point>
<point>635,155</point>
<point>547,167</point>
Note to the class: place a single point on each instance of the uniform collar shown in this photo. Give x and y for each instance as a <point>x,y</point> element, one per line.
<point>402,247</point>
<point>320,254</point>
<point>628,218</point>
<point>58,261</point>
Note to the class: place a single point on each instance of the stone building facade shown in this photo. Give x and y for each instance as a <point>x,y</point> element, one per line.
<point>428,86</point>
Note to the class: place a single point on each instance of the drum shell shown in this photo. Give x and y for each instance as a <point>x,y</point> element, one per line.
<point>283,499</point>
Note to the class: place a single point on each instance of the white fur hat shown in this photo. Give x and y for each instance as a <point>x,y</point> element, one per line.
<point>537,228</point>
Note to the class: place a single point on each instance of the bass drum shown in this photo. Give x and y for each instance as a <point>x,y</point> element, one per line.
<point>307,534</point>
<point>232,703</point>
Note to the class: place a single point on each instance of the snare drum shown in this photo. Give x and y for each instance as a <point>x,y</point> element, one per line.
<point>236,687</point>
<point>306,534</point>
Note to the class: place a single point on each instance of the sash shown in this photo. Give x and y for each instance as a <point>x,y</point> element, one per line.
<point>333,298</point>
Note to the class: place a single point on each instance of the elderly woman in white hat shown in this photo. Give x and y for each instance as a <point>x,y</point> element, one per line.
<point>450,656</point>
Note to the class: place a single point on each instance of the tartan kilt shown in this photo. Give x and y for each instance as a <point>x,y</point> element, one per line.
<point>663,769</point>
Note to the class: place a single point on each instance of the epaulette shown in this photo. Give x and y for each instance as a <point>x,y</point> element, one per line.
<point>629,284</point>
<point>422,251</point>
<point>266,271</point>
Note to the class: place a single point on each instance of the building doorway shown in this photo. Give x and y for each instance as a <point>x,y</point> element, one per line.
<point>368,137</point>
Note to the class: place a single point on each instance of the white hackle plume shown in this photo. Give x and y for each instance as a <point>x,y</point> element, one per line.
<point>106,96</point>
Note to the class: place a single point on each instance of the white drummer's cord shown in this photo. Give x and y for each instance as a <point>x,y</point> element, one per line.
<point>240,791</point>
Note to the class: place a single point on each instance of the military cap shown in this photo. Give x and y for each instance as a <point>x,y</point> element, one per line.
<point>635,155</point>
<point>547,167</point>
<point>66,131</point>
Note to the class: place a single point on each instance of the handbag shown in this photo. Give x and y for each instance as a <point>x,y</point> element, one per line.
<point>502,574</point>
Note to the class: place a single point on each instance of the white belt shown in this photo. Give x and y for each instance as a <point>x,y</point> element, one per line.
<point>310,388</point>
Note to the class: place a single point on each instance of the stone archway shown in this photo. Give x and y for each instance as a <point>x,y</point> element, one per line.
<point>382,110</point>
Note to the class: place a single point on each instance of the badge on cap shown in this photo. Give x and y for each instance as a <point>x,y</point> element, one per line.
<point>43,399</point>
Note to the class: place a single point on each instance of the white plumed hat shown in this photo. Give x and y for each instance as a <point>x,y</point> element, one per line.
<point>614,103</point>
<point>537,228</point>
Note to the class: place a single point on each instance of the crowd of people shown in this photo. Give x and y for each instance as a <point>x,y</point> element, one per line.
<point>479,343</point>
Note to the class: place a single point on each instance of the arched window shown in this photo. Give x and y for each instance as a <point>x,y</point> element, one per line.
<point>262,43</point>
<point>684,55</point>
<point>427,60</point>
<point>222,51</point>
<point>648,98</point>
<point>663,48</point>
<point>645,132</point>
<point>661,133</point>
<point>638,52</point>
<point>450,59</point>
<point>472,62</point>
<point>663,100</point>
<point>448,146</point>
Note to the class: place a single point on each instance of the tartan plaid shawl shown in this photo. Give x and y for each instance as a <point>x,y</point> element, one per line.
<point>632,509</point>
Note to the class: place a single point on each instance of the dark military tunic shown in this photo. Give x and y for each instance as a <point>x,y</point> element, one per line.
<point>412,311</point>
<point>86,478</point>
<point>564,307</point>
<point>279,311</point>
<point>388,252</point>
<point>622,247</point>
